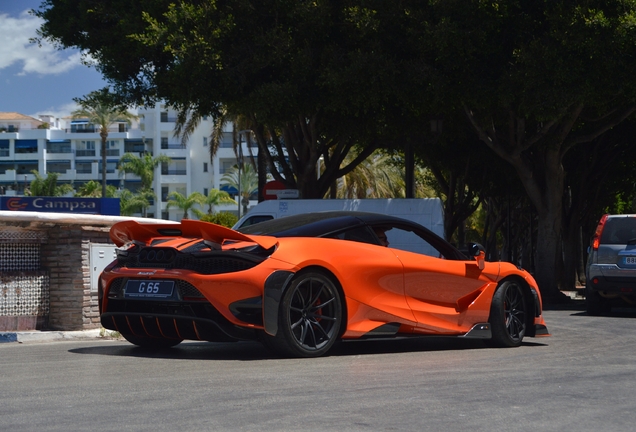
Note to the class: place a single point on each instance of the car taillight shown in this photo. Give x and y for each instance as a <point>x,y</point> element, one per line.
<point>597,234</point>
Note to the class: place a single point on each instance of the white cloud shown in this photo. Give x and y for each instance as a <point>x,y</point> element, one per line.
<point>15,48</point>
<point>58,111</point>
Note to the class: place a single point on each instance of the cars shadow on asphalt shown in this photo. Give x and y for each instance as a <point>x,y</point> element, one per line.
<point>250,351</point>
<point>615,312</point>
<point>577,306</point>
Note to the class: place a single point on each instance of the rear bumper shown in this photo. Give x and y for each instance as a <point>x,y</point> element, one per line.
<point>175,327</point>
<point>612,285</point>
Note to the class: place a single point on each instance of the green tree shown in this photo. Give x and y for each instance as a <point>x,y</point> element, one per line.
<point>131,203</point>
<point>215,197</point>
<point>101,109</point>
<point>334,88</point>
<point>90,189</point>
<point>379,176</point>
<point>245,181</point>
<point>47,186</point>
<point>175,199</point>
<point>221,218</point>
<point>143,166</point>
<point>536,81</point>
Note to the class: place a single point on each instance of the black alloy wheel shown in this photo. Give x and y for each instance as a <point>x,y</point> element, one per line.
<point>508,315</point>
<point>310,316</point>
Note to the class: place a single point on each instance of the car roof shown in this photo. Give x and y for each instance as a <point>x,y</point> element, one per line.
<point>316,224</point>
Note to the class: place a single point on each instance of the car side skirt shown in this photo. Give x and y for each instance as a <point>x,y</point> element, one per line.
<point>479,331</point>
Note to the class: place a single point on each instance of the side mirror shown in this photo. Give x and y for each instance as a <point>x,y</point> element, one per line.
<point>479,253</point>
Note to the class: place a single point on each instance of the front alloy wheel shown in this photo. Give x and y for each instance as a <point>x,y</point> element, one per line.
<point>508,315</point>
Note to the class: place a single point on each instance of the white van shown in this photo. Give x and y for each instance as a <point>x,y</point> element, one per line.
<point>427,212</point>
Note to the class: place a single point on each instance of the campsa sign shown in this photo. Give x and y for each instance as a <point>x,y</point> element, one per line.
<point>98,206</point>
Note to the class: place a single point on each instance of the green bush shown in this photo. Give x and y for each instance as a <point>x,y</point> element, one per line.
<point>221,218</point>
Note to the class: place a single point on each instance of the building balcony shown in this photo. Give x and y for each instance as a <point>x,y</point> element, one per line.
<point>172,146</point>
<point>59,148</point>
<point>80,153</point>
<point>173,172</point>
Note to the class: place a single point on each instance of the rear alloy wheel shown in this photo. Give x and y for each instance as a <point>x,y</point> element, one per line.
<point>508,315</point>
<point>310,317</point>
<point>151,343</point>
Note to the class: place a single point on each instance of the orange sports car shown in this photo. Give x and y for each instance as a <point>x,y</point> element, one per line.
<point>301,283</point>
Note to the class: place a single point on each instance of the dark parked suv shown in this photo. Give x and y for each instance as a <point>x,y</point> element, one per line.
<point>611,264</point>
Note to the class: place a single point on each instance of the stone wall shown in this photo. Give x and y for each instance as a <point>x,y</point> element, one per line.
<point>67,257</point>
<point>45,269</point>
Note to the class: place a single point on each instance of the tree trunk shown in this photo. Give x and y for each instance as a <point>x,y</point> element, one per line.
<point>543,177</point>
<point>548,238</point>
<point>104,137</point>
<point>545,187</point>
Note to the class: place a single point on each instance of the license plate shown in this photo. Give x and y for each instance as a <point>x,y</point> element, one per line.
<point>630,260</point>
<point>148,289</point>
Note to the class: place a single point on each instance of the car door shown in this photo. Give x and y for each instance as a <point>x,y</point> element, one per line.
<point>438,290</point>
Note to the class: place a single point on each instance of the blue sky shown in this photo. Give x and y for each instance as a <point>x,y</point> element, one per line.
<point>38,80</point>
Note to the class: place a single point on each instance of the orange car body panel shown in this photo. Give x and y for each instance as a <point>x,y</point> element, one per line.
<point>381,285</point>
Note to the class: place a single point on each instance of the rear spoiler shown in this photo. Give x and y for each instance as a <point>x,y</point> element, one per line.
<point>127,231</point>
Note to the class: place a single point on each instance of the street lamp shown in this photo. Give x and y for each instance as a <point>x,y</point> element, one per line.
<point>240,164</point>
<point>240,167</point>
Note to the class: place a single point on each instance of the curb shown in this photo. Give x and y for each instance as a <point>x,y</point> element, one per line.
<point>48,336</point>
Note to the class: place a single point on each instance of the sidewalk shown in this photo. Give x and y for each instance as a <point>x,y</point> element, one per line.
<point>49,336</point>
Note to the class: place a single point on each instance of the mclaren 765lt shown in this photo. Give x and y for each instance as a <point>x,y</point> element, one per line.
<point>301,283</point>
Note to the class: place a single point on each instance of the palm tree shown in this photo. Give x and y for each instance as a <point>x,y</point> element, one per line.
<point>378,176</point>
<point>41,186</point>
<point>143,166</point>
<point>101,109</point>
<point>175,199</point>
<point>90,189</point>
<point>130,203</point>
<point>246,183</point>
<point>215,197</point>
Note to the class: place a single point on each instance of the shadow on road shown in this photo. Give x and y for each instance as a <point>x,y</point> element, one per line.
<point>250,351</point>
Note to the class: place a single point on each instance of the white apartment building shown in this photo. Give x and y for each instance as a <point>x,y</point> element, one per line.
<point>72,149</point>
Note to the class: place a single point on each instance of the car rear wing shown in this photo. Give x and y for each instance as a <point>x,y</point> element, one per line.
<point>127,231</point>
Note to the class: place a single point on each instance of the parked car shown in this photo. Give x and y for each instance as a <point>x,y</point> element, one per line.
<point>611,264</point>
<point>301,283</point>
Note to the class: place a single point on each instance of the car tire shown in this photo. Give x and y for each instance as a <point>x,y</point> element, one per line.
<point>309,318</point>
<point>508,315</point>
<point>151,343</point>
<point>595,305</point>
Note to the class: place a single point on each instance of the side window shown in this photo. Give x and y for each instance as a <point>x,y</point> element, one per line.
<point>402,239</point>
<point>255,219</point>
<point>360,234</point>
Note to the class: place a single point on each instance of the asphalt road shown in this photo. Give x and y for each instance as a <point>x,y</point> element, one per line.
<point>580,379</point>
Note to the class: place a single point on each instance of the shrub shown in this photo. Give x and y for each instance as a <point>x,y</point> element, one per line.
<point>221,218</point>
